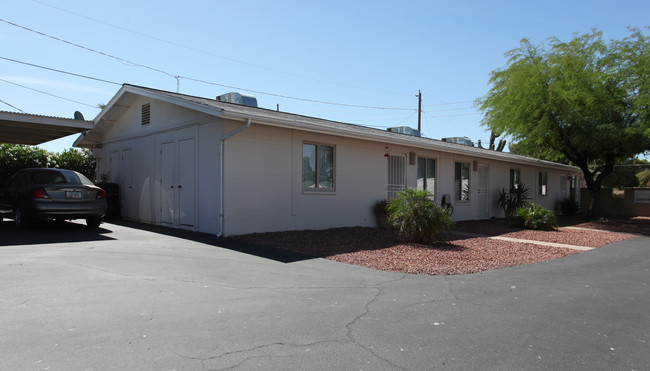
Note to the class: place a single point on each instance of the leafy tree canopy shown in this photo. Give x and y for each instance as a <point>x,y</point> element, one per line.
<point>584,102</point>
<point>14,157</point>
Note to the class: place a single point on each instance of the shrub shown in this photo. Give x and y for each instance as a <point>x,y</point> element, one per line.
<point>382,213</point>
<point>643,178</point>
<point>417,217</point>
<point>512,199</point>
<point>78,160</point>
<point>534,216</point>
<point>569,206</point>
<point>14,157</point>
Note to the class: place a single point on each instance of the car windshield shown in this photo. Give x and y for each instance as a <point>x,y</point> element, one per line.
<point>55,177</point>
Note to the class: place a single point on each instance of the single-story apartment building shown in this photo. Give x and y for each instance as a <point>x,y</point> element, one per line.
<point>225,168</point>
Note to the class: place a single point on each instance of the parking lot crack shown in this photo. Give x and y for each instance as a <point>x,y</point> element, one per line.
<point>380,290</point>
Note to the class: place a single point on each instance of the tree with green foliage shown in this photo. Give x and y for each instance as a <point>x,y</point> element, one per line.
<point>82,161</point>
<point>14,157</point>
<point>644,178</point>
<point>585,102</point>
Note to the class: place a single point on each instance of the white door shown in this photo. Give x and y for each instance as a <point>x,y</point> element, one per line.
<point>483,199</point>
<point>186,183</point>
<point>564,187</point>
<point>396,175</point>
<point>178,183</point>
<point>167,183</point>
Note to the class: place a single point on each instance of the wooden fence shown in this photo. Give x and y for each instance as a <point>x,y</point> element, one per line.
<point>619,202</point>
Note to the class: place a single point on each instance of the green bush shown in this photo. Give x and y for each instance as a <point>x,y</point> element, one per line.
<point>381,213</point>
<point>569,206</point>
<point>643,178</point>
<point>512,199</point>
<point>534,216</point>
<point>14,157</point>
<point>82,161</point>
<point>417,217</point>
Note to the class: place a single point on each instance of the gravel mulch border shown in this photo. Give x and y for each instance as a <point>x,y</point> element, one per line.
<point>381,249</point>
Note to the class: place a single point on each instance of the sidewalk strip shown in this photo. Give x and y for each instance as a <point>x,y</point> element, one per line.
<point>553,244</point>
<point>519,240</point>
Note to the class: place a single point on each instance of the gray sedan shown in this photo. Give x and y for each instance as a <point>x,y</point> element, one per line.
<point>46,193</point>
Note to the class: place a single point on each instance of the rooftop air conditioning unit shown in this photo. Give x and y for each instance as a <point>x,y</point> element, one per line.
<point>459,140</point>
<point>405,130</point>
<point>238,98</point>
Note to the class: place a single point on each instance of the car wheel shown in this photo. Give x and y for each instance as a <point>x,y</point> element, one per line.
<point>93,222</point>
<point>19,219</point>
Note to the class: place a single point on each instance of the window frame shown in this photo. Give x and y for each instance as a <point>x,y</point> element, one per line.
<point>426,168</point>
<point>514,183</point>
<point>573,186</point>
<point>458,192</point>
<point>316,188</point>
<point>542,183</point>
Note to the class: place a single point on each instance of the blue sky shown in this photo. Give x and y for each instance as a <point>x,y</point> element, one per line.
<point>343,54</point>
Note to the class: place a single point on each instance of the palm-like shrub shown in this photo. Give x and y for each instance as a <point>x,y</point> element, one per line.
<point>417,218</point>
<point>513,199</point>
<point>534,216</point>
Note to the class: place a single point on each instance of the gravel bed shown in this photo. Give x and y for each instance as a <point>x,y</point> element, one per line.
<point>590,236</point>
<point>381,249</point>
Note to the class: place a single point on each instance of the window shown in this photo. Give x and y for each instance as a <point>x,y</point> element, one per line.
<point>461,181</point>
<point>426,174</point>
<point>317,167</point>
<point>515,178</point>
<point>543,183</point>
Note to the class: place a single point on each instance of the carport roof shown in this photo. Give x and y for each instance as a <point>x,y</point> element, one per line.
<point>25,128</point>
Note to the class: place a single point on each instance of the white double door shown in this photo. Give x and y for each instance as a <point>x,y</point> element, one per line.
<point>178,183</point>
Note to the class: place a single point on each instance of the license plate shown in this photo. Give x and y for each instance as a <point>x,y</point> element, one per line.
<point>73,194</point>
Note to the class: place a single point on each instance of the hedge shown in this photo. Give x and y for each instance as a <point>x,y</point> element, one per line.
<point>14,157</point>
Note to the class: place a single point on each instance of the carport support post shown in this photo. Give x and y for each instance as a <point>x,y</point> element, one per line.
<point>222,145</point>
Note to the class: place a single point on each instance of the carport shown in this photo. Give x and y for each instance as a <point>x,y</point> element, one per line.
<point>25,128</point>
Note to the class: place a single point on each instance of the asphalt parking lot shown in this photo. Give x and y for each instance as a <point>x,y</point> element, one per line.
<point>134,297</point>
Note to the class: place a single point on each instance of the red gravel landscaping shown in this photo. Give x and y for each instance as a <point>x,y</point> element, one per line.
<point>381,249</point>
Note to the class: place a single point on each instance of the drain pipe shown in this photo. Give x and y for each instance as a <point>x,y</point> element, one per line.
<point>222,144</point>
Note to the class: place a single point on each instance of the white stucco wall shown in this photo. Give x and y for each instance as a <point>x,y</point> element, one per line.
<point>131,156</point>
<point>263,174</point>
<point>263,182</point>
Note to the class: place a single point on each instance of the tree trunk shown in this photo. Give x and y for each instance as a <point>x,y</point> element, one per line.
<point>594,182</point>
<point>594,203</point>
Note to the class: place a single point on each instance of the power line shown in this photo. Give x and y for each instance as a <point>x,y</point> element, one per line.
<point>52,95</point>
<point>86,48</point>
<point>14,107</point>
<point>296,98</point>
<point>177,77</point>
<point>60,71</point>
<point>211,53</point>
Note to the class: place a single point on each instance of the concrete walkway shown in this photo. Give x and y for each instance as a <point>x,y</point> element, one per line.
<point>520,240</point>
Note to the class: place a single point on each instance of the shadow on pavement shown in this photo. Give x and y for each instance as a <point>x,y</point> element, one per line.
<point>50,232</point>
<point>279,255</point>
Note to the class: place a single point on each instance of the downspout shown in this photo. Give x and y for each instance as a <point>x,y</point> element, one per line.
<point>221,172</point>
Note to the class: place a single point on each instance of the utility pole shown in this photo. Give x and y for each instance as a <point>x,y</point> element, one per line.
<point>419,111</point>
